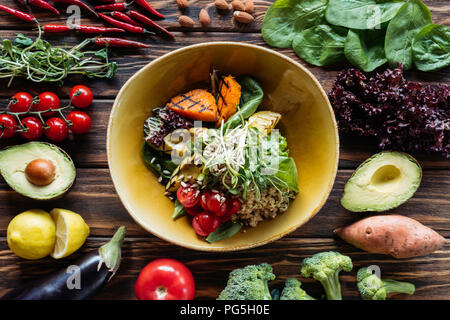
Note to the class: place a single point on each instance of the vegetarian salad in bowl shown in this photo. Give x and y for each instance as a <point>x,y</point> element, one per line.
<point>221,157</point>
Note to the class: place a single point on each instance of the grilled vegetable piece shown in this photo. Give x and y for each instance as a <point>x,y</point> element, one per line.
<point>96,269</point>
<point>292,291</point>
<point>162,122</point>
<point>264,121</point>
<point>178,141</point>
<point>188,172</point>
<point>373,288</point>
<point>229,95</point>
<point>197,104</point>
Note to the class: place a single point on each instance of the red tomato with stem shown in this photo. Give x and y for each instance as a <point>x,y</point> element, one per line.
<point>204,223</point>
<point>188,196</point>
<point>81,96</point>
<point>8,126</point>
<point>47,101</point>
<point>33,128</point>
<point>80,122</point>
<point>57,130</point>
<point>165,279</point>
<point>20,102</point>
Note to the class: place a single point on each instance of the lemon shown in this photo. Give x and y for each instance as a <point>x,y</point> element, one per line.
<point>31,234</point>
<point>71,232</point>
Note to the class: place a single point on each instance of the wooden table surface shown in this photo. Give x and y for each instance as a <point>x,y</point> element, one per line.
<point>93,195</point>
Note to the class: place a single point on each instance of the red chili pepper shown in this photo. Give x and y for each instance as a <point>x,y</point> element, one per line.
<point>144,4</point>
<point>120,6</point>
<point>96,29</point>
<point>54,28</point>
<point>78,3</point>
<point>119,43</point>
<point>123,17</point>
<point>43,5</point>
<point>139,16</point>
<point>123,25</point>
<point>18,14</point>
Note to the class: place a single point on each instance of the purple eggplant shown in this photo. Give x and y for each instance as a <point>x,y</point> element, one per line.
<point>79,281</point>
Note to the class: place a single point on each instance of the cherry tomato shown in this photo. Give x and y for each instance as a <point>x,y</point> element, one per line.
<point>20,102</point>
<point>57,130</point>
<point>81,122</point>
<point>34,129</point>
<point>204,223</point>
<point>193,211</point>
<point>188,196</point>
<point>81,96</point>
<point>214,200</point>
<point>8,124</point>
<point>223,210</point>
<point>47,101</point>
<point>165,279</point>
<point>233,206</point>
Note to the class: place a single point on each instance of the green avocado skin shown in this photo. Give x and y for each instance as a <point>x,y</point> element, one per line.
<point>14,159</point>
<point>383,182</point>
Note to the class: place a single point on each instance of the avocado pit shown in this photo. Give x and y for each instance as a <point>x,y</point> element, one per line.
<point>40,172</point>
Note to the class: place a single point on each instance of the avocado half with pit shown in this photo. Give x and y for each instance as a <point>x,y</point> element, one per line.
<point>382,182</point>
<point>37,170</point>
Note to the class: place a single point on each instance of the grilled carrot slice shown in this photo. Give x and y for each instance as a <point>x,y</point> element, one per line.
<point>197,104</point>
<point>228,98</point>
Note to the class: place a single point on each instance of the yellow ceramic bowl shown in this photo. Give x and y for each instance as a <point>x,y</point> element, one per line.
<point>308,123</point>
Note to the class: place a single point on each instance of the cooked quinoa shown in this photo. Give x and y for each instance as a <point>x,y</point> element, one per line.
<point>257,207</point>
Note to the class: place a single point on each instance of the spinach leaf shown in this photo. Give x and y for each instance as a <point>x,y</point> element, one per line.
<point>158,161</point>
<point>365,49</point>
<point>251,97</point>
<point>287,173</point>
<point>178,211</point>
<point>431,48</point>
<point>410,19</point>
<point>361,14</point>
<point>285,18</point>
<point>224,231</point>
<point>321,45</point>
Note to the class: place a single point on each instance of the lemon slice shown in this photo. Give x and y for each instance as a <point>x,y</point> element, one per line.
<point>71,232</point>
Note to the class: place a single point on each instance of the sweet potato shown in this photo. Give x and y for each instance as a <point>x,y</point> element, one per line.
<point>196,104</point>
<point>396,235</point>
<point>228,98</point>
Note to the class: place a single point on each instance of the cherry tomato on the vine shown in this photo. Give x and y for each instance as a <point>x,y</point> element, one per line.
<point>81,96</point>
<point>165,279</point>
<point>33,128</point>
<point>20,102</point>
<point>47,101</point>
<point>8,125</point>
<point>57,130</point>
<point>81,122</point>
<point>204,223</point>
<point>188,196</point>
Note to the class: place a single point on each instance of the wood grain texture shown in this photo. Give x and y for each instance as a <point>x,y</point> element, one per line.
<point>94,197</point>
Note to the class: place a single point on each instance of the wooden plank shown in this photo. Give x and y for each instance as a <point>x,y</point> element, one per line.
<point>430,274</point>
<point>93,196</point>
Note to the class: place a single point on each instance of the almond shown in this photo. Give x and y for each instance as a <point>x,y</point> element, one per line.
<point>186,22</point>
<point>204,17</point>
<point>182,4</point>
<point>243,17</point>
<point>222,5</point>
<point>237,5</point>
<point>249,6</point>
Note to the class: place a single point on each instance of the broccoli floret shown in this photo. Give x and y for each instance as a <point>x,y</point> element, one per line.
<point>373,288</point>
<point>325,267</point>
<point>292,291</point>
<point>249,283</point>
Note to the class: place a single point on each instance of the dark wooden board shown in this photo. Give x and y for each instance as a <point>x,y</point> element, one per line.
<point>94,197</point>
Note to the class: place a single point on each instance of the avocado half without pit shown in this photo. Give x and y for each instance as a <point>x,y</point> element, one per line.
<point>382,182</point>
<point>37,170</point>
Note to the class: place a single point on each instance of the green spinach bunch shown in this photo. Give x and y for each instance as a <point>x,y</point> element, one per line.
<point>367,33</point>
